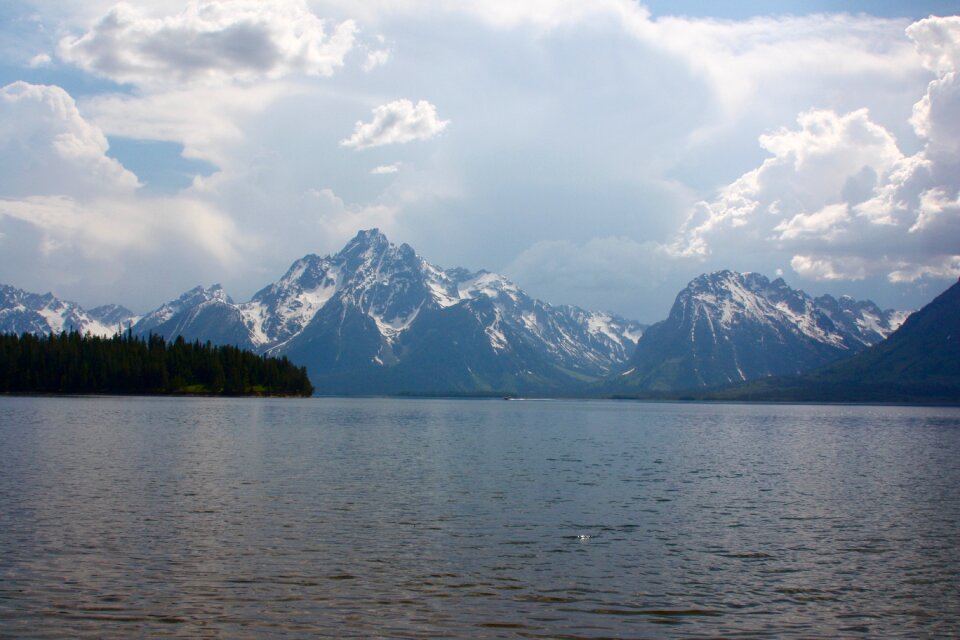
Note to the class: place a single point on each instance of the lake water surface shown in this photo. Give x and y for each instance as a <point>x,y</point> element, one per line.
<point>215,518</point>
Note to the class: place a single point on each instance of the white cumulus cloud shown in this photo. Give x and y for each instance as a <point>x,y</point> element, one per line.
<point>211,41</point>
<point>397,122</point>
<point>47,147</point>
<point>840,199</point>
<point>828,159</point>
<point>936,42</point>
<point>937,116</point>
<point>825,224</point>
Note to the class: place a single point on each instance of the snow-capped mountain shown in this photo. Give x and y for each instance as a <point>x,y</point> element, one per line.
<point>24,312</point>
<point>378,318</point>
<point>728,327</point>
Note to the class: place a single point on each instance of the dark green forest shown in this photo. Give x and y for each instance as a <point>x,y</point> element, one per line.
<point>72,363</point>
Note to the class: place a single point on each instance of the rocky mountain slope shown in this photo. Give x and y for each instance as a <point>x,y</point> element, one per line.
<point>728,327</point>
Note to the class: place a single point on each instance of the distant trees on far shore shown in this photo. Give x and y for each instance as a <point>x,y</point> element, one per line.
<point>72,363</point>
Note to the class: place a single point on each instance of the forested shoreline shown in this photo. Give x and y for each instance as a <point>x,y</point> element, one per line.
<point>72,363</point>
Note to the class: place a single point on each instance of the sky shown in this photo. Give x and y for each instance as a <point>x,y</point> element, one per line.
<point>601,153</point>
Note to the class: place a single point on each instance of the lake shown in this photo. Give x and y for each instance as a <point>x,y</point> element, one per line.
<point>268,518</point>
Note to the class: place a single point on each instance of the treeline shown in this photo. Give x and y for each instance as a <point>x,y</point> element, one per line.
<point>124,364</point>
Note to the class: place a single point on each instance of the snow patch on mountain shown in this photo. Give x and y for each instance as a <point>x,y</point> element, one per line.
<point>392,327</point>
<point>604,324</point>
<point>497,338</point>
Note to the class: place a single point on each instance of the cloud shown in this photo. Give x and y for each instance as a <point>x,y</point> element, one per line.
<point>385,169</point>
<point>397,122</point>
<point>740,60</point>
<point>501,14</point>
<point>102,226</point>
<point>598,121</point>
<point>935,117</point>
<point>94,248</point>
<point>936,207</point>
<point>211,41</point>
<point>40,60</point>
<point>833,268</point>
<point>825,224</point>
<point>945,267</point>
<point>937,43</point>
<point>841,199</point>
<point>47,147</point>
<point>748,60</point>
<point>341,220</point>
<point>375,58</point>
<point>78,215</point>
<point>812,168</point>
<point>599,273</point>
<point>205,120</point>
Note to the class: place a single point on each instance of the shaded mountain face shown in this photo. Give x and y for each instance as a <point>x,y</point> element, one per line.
<point>925,350</point>
<point>378,318</point>
<point>919,362</point>
<point>24,312</point>
<point>728,327</point>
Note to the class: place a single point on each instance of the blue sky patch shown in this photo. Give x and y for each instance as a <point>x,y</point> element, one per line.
<point>160,165</point>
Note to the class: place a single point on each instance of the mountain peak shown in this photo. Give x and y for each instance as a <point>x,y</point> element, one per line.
<point>200,294</point>
<point>371,235</point>
<point>365,240</point>
<point>920,361</point>
<point>728,326</point>
<point>723,283</point>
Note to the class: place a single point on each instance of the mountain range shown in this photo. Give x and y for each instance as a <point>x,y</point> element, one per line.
<point>728,327</point>
<point>376,318</point>
<point>24,312</point>
<point>920,361</point>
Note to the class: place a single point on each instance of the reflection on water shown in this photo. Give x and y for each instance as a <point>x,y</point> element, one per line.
<point>126,517</point>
